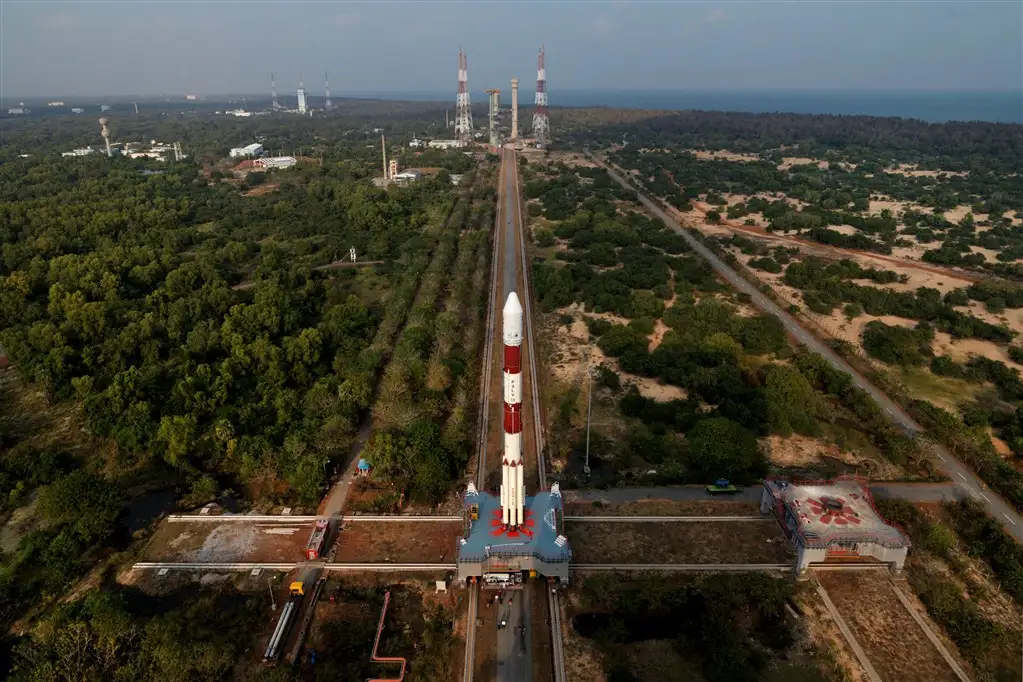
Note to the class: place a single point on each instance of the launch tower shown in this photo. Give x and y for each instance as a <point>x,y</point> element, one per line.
<point>541,122</point>
<point>463,110</point>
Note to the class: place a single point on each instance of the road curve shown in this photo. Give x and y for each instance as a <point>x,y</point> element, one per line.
<point>953,468</point>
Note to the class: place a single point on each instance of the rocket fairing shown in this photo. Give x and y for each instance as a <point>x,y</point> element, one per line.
<point>512,492</point>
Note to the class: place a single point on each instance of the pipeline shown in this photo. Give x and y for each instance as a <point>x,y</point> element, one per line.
<point>373,658</point>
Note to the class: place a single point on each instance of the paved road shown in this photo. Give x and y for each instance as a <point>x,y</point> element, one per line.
<point>953,468</point>
<point>514,642</point>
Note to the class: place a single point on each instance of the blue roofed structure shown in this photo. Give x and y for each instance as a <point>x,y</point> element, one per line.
<point>488,547</point>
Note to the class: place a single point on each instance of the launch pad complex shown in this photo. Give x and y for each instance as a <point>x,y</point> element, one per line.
<point>509,537</point>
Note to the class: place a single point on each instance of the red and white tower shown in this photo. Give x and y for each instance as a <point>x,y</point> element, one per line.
<point>541,122</point>
<point>513,496</point>
<point>463,110</point>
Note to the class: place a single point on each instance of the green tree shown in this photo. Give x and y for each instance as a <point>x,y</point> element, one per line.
<point>718,447</point>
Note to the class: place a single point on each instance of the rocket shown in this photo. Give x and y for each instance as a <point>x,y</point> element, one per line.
<point>513,497</point>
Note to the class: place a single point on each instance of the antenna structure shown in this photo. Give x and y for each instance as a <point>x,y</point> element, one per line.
<point>273,94</point>
<point>541,122</point>
<point>463,110</point>
<point>326,86</point>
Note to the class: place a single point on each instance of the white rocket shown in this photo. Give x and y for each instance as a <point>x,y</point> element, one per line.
<point>513,496</point>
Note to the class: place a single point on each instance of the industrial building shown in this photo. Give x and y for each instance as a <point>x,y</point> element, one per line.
<point>275,162</point>
<point>446,144</point>
<point>406,177</point>
<point>77,110</point>
<point>254,149</point>
<point>833,522</point>
<point>82,151</point>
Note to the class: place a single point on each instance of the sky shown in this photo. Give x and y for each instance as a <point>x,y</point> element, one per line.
<point>56,48</point>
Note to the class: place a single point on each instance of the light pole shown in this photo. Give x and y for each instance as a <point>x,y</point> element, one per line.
<point>589,407</point>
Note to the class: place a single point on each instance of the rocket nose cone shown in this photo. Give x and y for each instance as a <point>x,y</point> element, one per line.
<point>512,305</point>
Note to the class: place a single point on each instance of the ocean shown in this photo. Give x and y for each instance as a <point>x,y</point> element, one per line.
<point>934,107</point>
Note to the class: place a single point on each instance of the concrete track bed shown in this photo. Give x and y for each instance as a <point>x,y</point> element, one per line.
<point>680,543</point>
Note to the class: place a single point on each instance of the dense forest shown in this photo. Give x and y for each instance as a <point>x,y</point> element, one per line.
<point>949,146</point>
<point>197,335</point>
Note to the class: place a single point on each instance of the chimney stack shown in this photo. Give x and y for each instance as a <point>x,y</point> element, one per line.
<point>515,109</point>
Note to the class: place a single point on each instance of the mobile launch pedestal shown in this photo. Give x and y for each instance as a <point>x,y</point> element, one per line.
<point>512,535</point>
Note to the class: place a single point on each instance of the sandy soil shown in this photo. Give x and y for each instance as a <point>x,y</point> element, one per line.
<point>659,508</point>
<point>894,643</point>
<point>911,170</point>
<point>790,161</point>
<point>397,542</point>
<point>697,543</point>
<point>825,635</point>
<point>229,542</point>
<point>572,351</point>
<point>722,155</point>
<point>261,190</point>
<point>797,451</point>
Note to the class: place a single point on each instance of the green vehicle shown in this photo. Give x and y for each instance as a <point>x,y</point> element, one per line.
<point>722,486</point>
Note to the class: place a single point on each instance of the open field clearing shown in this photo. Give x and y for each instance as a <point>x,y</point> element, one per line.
<point>227,543</point>
<point>678,543</point>
<point>894,643</point>
<point>654,507</point>
<point>397,542</point>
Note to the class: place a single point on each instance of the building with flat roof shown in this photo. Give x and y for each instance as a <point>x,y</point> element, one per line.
<point>833,522</point>
<point>446,144</point>
<point>497,555</point>
<point>275,162</point>
<point>254,149</point>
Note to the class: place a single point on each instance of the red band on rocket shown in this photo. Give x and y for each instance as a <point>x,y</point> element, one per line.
<point>513,496</point>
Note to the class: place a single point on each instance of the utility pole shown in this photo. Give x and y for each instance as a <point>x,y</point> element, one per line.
<point>589,406</point>
<point>273,602</point>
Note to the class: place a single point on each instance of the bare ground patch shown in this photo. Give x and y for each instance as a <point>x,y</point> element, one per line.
<point>231,542</point>
<point>662,508</point>
<point>678,543</point>
<point>422,542</point>
<point>894,643</point>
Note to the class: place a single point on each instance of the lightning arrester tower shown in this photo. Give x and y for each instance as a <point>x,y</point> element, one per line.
<point>301,96</point>
<point>326,88</point>
<point>513,496</point>
<point>463,110</point>
<point>273,94</point>
<point>541,122</point>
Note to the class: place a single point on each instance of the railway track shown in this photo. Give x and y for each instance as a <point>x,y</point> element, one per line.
<point>553,597</point>
<point>483,422</point>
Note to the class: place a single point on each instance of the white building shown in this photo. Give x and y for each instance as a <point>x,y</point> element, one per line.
<point>17,111</point>
<point>55,103</point>
<point>253,149</point>
<point>238,112</point>
<point>446,144</point>
<point>455,178</point>
<point>833,522</point>
<point>275,162</point>
<point>416,143</point>
<point>77,110</point>
<point>406,177</point>
<point>83,151</point>
<point>301,99</point>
